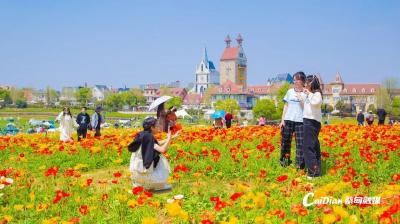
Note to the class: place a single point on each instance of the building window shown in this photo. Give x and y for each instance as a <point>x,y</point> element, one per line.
<point>228,89</point>
<point>372,90</point>
<point>345,90</point>
<point>354,90</point>
<point>241,55</point>
<point>220,90</point>
<point>201,67</point>
<point>363,90</point>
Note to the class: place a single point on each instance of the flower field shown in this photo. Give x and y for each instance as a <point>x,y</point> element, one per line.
<point>218,176</point>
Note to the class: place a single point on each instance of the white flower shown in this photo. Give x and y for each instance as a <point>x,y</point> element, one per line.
<point>178,197</point>
<point>9,180</point>
<point>1,186</point>
<point>170,201</point>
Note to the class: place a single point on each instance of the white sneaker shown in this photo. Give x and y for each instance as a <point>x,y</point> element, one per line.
<point>310,178</point>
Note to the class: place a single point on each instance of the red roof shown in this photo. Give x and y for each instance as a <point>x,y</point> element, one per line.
<point>192,99</point>
<point>230,53</point>
<point>230,87</point>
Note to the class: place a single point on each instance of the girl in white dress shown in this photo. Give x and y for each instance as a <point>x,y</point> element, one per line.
<point>67,125</point>
<point>149,167</point>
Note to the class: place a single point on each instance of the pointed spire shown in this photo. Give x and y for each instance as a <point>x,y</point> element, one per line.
<point>239,40</point>
<point>205,57</point>
<point>227,41</point>
<point>338,78</point>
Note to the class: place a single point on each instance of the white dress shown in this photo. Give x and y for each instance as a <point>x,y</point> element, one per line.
<point>151,178</point>
<point>67,124</point>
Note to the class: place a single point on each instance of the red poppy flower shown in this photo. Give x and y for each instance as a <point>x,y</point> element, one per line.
<point>117,174</point>
<point>214,198</point>
<point>51,171</point>
<point>137,190</point>
<point>83,209</point>
<point>206,222</point>
<point>237,195</point>
<point>282,178</point>
<point>219,205</point>
<point>355,184</point>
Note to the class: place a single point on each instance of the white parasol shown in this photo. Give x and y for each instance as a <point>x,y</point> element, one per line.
<point>159,101</point>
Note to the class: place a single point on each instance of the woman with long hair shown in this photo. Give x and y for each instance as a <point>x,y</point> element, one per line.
<point>67,125</point>
<point>150,169</point>
<point>312,117</point>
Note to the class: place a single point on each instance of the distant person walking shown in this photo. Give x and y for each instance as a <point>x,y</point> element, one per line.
<point>83,120</point>
<point>370,118</point>
<point>261,121</point>
<point>97,120</point>
<point>67,124</point>
<point>360,118</point>
<point>381,116</point>
<point>228,120</point>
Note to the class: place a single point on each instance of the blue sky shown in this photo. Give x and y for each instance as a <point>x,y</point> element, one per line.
<point>118,43</point>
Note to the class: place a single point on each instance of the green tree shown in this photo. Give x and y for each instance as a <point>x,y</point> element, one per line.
<point>175,101</point>
<point>340,105</point>
<point>372,108</point>
<point>326,108</point>
<point>383,99</point>
<point>16,94</point>
<point>83,95</point>
<point>114,101</point>
<point>6,96</point>
<point>396,106</point>
<point>51,95</point>
<point>228,105</point>
<point>20,103</point>
<point>207,95</point>
<point>280,94</point>
<point>266,108</point>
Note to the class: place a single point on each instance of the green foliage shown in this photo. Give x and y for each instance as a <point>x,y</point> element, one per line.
<point>372,108</point>
<point>83,95</point>
<point>175,101</point>
<point>266,108</point>
<point>115,101</point>
<point>20,103</point>
<point>6,96</point>
<point>340,105</point>
<point>228,105</point>
<point>396,106</point>
<point>279,99</point>
<point>326,108</point>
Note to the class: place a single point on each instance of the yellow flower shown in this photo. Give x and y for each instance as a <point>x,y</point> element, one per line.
<point>122,197</point>
<point>340,211</point>
<point>132,203</point>
<point>184,215</point>
<point>8,218</point>
<point>354,219</point>
<point>173,209</point>
<point>32,196</point>
<point>149,221</point>
<point>51,220</point>
<point>259,220</point>
<point>95,149</point>
<point>232,220</point>
<point>260,199</point>
<point>18,207</point>
<point>40,207</point>
<point>118,161</point>
<point>328,219</point>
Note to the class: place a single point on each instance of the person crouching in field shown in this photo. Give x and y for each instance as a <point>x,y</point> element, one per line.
<point>150,169</point>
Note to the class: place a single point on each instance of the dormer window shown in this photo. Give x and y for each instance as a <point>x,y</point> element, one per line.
<point>363,90</point>
<point>345,90</point>
<point>354,90</point>
<point>372,90</point>
<point>220,90</point>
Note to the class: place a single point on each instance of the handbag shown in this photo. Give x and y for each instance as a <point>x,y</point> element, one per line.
<point>136,163</point>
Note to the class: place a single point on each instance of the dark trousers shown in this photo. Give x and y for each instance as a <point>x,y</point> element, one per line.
<point>381,122</point>
<point>311,147</point>
<point>82,131</point>
<point>97,133</point>
<point>228,124</point>
<point>286,143</point>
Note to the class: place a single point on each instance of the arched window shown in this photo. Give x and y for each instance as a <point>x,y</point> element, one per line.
<point>372,90</point>
<point>354,90</point>
<point>363,90</point>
